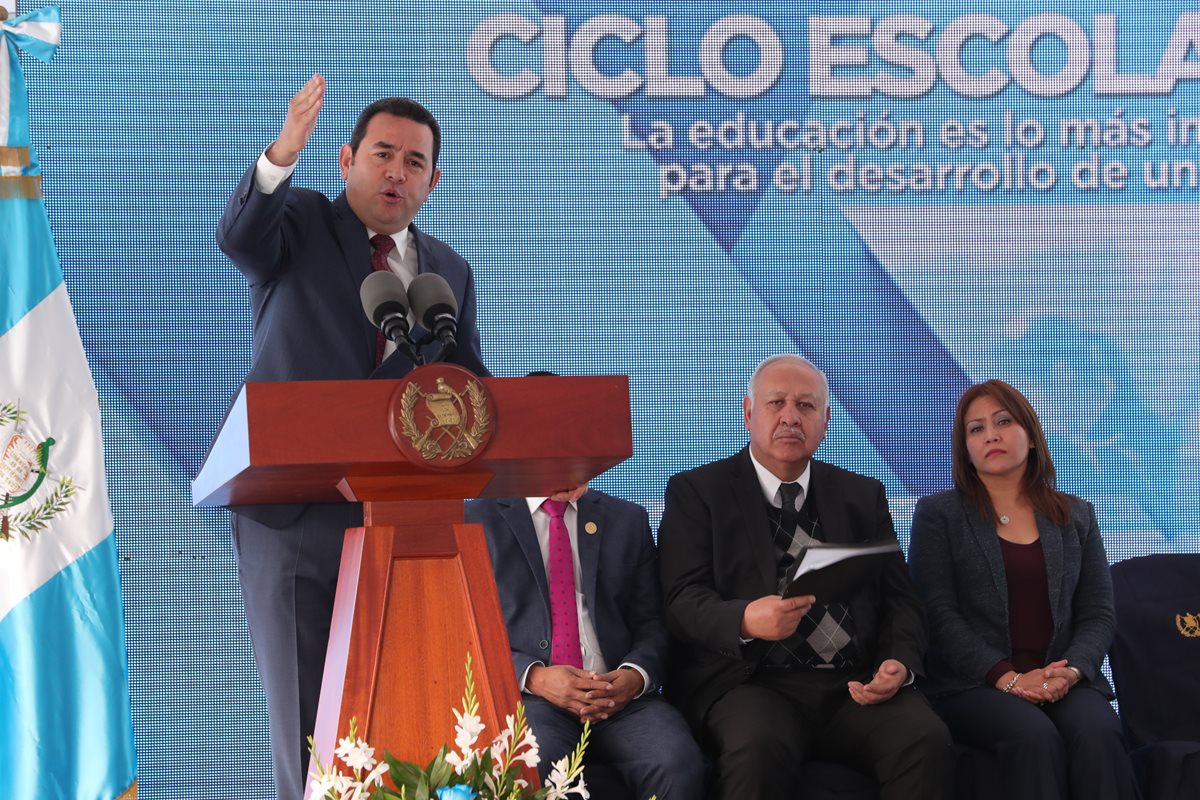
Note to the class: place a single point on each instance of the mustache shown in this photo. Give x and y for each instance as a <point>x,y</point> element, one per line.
<point>790,431</point>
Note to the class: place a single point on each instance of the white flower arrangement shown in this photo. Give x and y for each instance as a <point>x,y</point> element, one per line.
<point>469,773</point>
<point>332,784</point>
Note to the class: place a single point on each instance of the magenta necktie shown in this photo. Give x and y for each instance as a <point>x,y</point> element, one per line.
<point>564,614</point>
<point>381,245</point>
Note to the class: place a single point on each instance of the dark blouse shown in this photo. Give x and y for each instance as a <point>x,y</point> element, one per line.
<point>1030,624</point>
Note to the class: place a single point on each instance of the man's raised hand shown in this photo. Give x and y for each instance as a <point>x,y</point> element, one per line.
<point>301,121</point>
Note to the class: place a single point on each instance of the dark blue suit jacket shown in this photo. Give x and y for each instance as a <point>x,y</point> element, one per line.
<point>620,580</point>
<point>305,257</point>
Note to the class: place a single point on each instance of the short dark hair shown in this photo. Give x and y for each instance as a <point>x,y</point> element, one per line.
<point>1038,483</point>
<point>397,107</point>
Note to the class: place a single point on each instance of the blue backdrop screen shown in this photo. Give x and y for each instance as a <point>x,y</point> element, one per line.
<point>915,196</point>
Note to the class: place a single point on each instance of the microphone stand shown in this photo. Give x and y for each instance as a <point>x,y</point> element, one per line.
<point>445,352</point>
<point>396,330</point>
<point>449,345</point>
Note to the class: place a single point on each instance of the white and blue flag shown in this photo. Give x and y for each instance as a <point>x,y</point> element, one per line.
<point>65,725</point>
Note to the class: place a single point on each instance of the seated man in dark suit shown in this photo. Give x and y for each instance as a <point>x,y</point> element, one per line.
<point>769,682</point>
<point>578,580</point>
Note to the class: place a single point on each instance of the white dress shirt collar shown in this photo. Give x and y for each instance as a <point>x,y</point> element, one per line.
<point>770,484</point>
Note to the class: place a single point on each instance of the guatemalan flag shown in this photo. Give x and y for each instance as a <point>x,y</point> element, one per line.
<point>65,727</point>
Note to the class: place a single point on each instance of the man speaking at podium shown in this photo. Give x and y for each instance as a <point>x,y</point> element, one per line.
<point>304,258</point>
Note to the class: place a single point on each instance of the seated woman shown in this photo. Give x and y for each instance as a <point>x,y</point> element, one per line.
<point>1019,601</point>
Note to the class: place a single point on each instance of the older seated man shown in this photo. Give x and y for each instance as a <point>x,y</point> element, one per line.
<point>769,682</point>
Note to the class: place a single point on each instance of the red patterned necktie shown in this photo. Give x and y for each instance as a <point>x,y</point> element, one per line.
<point>564,612</point>
<point>381,245</point>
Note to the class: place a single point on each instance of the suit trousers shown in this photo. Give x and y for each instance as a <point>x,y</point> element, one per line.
<point>289,578</point>
<point>647,743</point>
<point>1070,749</point>
<point>763,730</point>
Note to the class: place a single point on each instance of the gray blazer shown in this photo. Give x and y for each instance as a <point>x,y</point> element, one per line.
<point>957,567</point>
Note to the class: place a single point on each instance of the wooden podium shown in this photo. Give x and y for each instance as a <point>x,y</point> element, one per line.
<point>415,592</point>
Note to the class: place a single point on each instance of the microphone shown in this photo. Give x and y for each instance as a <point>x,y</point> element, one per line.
<point>386,304</point>
<point>434,305</point>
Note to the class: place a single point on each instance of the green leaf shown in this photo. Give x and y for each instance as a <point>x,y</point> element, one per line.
<point>404,774</point>
<point>440,773</point>
<point>9,413</point>
<point>439,758</point>
<point>397,765</point>
<point>38,519</point>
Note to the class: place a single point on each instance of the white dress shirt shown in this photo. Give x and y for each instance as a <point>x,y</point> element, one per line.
<point>593,659</point>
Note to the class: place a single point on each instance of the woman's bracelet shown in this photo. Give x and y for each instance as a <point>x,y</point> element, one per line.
<point>1011,683</point>
<point>1078,673</point>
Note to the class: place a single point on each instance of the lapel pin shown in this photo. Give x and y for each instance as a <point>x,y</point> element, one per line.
<point>591,527</point>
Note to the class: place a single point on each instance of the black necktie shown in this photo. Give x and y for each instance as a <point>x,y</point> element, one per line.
<point>789,516</point>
